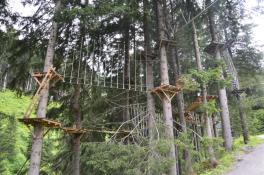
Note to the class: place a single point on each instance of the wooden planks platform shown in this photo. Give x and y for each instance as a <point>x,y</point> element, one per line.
<point>211,48</point>
<point>199,101</point>
<point>41,121</point>
<point>51,75</point>
<point>169,91</point>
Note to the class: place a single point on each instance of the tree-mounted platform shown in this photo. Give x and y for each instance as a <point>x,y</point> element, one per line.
<point>211,48</point>
<point>75,131</point>
<point>41,121</point>
<point>168,42</point>
<point>209,98</point>
<point>238,91</point>
<point>199,101</point>
<point>51,75</point>
<point>169,91</point>
<point>149,54</point>
<point>42,79</point>
<point>193,106</point>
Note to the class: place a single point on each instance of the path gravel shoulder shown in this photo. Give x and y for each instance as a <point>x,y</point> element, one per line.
<point>251,163</point>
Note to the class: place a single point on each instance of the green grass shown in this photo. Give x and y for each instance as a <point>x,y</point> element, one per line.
<point>12,105</point>
<point>228,159</point>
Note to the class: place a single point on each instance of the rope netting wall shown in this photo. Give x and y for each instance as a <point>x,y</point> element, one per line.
<point>105,66</point>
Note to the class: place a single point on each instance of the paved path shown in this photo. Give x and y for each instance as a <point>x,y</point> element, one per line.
<point>251,163</point>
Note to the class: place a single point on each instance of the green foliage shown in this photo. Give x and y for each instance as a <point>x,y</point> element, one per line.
<point>12,104</point>
<point>210,107</point>
<point>15,137</point>
<point>189,83</point>
<point>210,76</point>
<point>107,158</point>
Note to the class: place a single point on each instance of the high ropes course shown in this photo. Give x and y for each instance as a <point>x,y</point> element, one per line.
<point>106,67</point>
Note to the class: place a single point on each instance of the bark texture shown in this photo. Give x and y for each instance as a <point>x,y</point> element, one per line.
<point>126,115</point>
<point>149,76</point>
<point>243,119</point>
<point>35,157</point>
<point>181,110</point>
<point>225,118</point>
<point>208,130</point>
<point>149,80</point>
<point>166,103</point>
<point>240,99</point>
<point>76,111</point>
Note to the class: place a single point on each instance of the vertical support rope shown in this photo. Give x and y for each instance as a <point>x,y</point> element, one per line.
<point>72,65</point>
<point>104,64</point>
<point>117,70</point>
<point>146,69</point>
<point>98,63</point>
<point>64,70</point>
<point>124,68</point>
<point>129,72</point>
<point>111,64</point>
<point>135,66</point>
<point>85,65</point>
<point>93,60</point>
<point>140,72</point>
<point>79,64</point>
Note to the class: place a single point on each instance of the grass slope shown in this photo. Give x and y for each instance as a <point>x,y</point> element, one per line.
<point>17,136</point>
<point>14,134</point>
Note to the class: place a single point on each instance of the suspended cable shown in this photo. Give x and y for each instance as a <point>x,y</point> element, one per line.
<point>198,15</point>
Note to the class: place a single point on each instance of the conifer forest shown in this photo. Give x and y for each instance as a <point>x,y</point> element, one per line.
<point>130,87</point>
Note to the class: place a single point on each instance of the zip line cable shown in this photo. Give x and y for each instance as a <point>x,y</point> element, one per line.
<point>198,15</point>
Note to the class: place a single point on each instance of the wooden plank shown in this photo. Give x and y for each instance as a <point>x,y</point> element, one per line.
<point>41,121</point>
<point>193,106</point>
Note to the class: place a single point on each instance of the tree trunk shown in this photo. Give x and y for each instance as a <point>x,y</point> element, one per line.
<point>208,130</point>
<point>243,119</point>
<point>241,108</point>
<point>149,79</point>
<point>5,81</point>
<point>166,103</point>
<point>76,111</point>
<point>214,121</point>
<point>149,76</point>
<point>35,156</point>
<point>228,140</point>
<point>225,118</point>
<point>127,67</point>
<point>181,110</point>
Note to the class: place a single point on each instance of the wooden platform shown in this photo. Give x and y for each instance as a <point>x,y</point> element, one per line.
<point>193,106</point>
<point>199,101</point>
<point>210,49</point>
<point>238,91</point>
<point>41,121</point>
<point>74,130</point>
<point>51,74</point>
<point>209,98</point>
<point>168,42</point>
<point>150,55</point>
<point>169,91</point>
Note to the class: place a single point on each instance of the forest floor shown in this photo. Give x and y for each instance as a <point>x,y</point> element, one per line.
<point>250,163</point>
